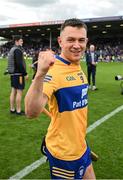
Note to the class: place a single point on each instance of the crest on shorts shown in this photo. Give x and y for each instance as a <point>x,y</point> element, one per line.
<point>81,171</point>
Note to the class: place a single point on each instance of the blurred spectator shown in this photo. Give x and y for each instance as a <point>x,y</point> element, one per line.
<point>17,64</point>
<point>91,60</point>
<point>34,64</point>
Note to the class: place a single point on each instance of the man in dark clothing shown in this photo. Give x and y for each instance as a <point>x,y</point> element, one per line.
<point>34,62</point>
<point>17,70</point>
<point>91,60</point>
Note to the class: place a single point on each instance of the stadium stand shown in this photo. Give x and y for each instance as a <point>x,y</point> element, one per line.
<point>105,33</point>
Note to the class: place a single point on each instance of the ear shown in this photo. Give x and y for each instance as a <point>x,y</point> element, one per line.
<point>86,40</point>
<point>59,41</point>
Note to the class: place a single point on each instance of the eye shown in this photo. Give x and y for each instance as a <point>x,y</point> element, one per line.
<point>70,40</point>
<point>82,40</point>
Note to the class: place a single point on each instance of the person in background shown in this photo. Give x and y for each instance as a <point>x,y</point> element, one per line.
<point>91,61</point>
<point>34,62</point>
<point>61,83</point>
<point>17,70</point>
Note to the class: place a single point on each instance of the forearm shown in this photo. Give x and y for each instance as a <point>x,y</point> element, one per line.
<point>34,98</point>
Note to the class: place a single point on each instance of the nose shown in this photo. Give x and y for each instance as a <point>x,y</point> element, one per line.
<point>76,45</point>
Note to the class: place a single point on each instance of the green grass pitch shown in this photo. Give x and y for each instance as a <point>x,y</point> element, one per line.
<point>20,137</point>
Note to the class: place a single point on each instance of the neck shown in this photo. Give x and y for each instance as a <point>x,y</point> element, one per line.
<point>67,59</point>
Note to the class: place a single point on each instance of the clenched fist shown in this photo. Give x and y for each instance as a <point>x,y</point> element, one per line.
<point>45,60</point>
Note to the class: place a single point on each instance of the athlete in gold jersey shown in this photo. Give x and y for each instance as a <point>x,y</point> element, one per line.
<point>60,82</point>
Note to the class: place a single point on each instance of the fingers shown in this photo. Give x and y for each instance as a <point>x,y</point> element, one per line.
<point>46,53</point>
<point>45,60</point>
<point>47,57</point>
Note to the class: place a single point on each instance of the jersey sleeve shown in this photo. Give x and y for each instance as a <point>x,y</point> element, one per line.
<point>50,84</point>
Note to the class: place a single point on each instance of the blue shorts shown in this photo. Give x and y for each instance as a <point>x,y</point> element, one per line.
<point>17,82</point>
<point>75,169</point>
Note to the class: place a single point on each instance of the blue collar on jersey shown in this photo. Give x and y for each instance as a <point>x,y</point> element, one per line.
<point>63,60</point>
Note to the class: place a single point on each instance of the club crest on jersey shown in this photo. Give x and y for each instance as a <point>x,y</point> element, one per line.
<point>70,78</point>
<point>47,78</point>
<point>81,76</point>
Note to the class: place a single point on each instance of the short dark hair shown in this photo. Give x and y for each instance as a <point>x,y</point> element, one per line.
<point>74,22</point>
<point>17,37</point>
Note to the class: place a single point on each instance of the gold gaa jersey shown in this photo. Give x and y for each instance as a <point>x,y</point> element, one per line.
<point>66,87</point>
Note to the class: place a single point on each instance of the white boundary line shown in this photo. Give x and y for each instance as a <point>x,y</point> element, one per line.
<point>103,119</point>
<point>29,168</point>
<point>42,160</point>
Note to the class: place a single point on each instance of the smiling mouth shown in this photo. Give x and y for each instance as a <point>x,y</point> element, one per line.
<point>76,53</point>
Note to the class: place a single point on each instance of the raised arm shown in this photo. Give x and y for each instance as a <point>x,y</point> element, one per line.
<point>35,100</point>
